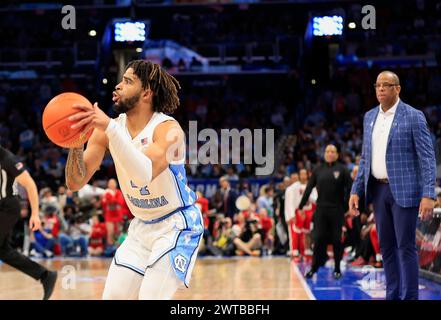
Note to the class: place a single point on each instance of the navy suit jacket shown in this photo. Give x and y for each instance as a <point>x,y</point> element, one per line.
<point>231,209</point>
<point>410,157</point>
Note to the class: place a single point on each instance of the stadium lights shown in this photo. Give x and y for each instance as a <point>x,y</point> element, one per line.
<point>327,26</point>
<point>129,31</point>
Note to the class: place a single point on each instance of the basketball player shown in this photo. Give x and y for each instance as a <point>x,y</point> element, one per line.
<point>12,170</point>
<point>148,150</point>
<point>305,218</point>
<point>299,223</point>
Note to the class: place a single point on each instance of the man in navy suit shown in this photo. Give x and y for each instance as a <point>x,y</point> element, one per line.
<point>229,196</point>
<point>396,174</point>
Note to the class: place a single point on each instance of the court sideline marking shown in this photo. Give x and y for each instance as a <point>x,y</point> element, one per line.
<point>303,282</point>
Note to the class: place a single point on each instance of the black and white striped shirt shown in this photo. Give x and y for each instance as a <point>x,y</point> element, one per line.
<point>10,168</point>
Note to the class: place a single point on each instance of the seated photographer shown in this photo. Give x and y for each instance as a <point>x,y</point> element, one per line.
<point>222,245</point>
<point>248,239</point>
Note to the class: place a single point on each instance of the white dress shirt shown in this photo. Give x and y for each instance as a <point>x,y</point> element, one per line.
<point>380,135</point>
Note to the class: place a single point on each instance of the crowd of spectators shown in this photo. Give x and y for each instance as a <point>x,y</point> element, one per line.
<point>91,222</point>
<point>334,114</point>
<point>22,104</point>
<point>310,114</point>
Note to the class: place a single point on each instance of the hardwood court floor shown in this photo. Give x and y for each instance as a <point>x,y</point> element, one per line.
<point>213,278</point>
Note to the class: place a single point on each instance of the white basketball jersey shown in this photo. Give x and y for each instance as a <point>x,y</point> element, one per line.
<point>167,192</point>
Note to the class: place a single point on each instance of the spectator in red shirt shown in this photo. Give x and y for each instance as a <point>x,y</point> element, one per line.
<point>97,236</point>
<point>112,204</point>
<point>203,205</point>
<point>266,224</point>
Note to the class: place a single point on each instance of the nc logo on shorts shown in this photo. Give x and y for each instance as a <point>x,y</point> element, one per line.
<point>180,262</point>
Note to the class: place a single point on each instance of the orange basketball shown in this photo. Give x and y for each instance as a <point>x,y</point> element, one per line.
<point>57,125</point>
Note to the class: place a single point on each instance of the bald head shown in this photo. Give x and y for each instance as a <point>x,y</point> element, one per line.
<point>391,75</point>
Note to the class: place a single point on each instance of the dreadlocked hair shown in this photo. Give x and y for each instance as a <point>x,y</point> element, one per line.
<point>164,86</point>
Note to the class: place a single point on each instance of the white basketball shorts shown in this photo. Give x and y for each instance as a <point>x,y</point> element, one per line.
<point>177,236</point>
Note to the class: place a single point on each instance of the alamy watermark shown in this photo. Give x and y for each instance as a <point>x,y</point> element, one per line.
<point>373,280</point>
<point>69,20</point>
<point>369,21</point>
<point>258,147</point>
<point>229,147</point>
<point>69,280</point>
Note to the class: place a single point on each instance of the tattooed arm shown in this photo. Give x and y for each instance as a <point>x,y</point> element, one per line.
<point>81,165</point>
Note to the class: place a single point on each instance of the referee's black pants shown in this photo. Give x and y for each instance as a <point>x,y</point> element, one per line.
<point>328,223</point>
<point>9,215</point>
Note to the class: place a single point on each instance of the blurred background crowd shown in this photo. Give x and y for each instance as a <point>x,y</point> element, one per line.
<point>264,71</point>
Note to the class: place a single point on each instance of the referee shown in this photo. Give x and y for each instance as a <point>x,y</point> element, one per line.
<point>333,183</point>
<point>12,170</point>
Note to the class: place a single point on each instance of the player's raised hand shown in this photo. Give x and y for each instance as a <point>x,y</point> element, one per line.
<point>88,118</point>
